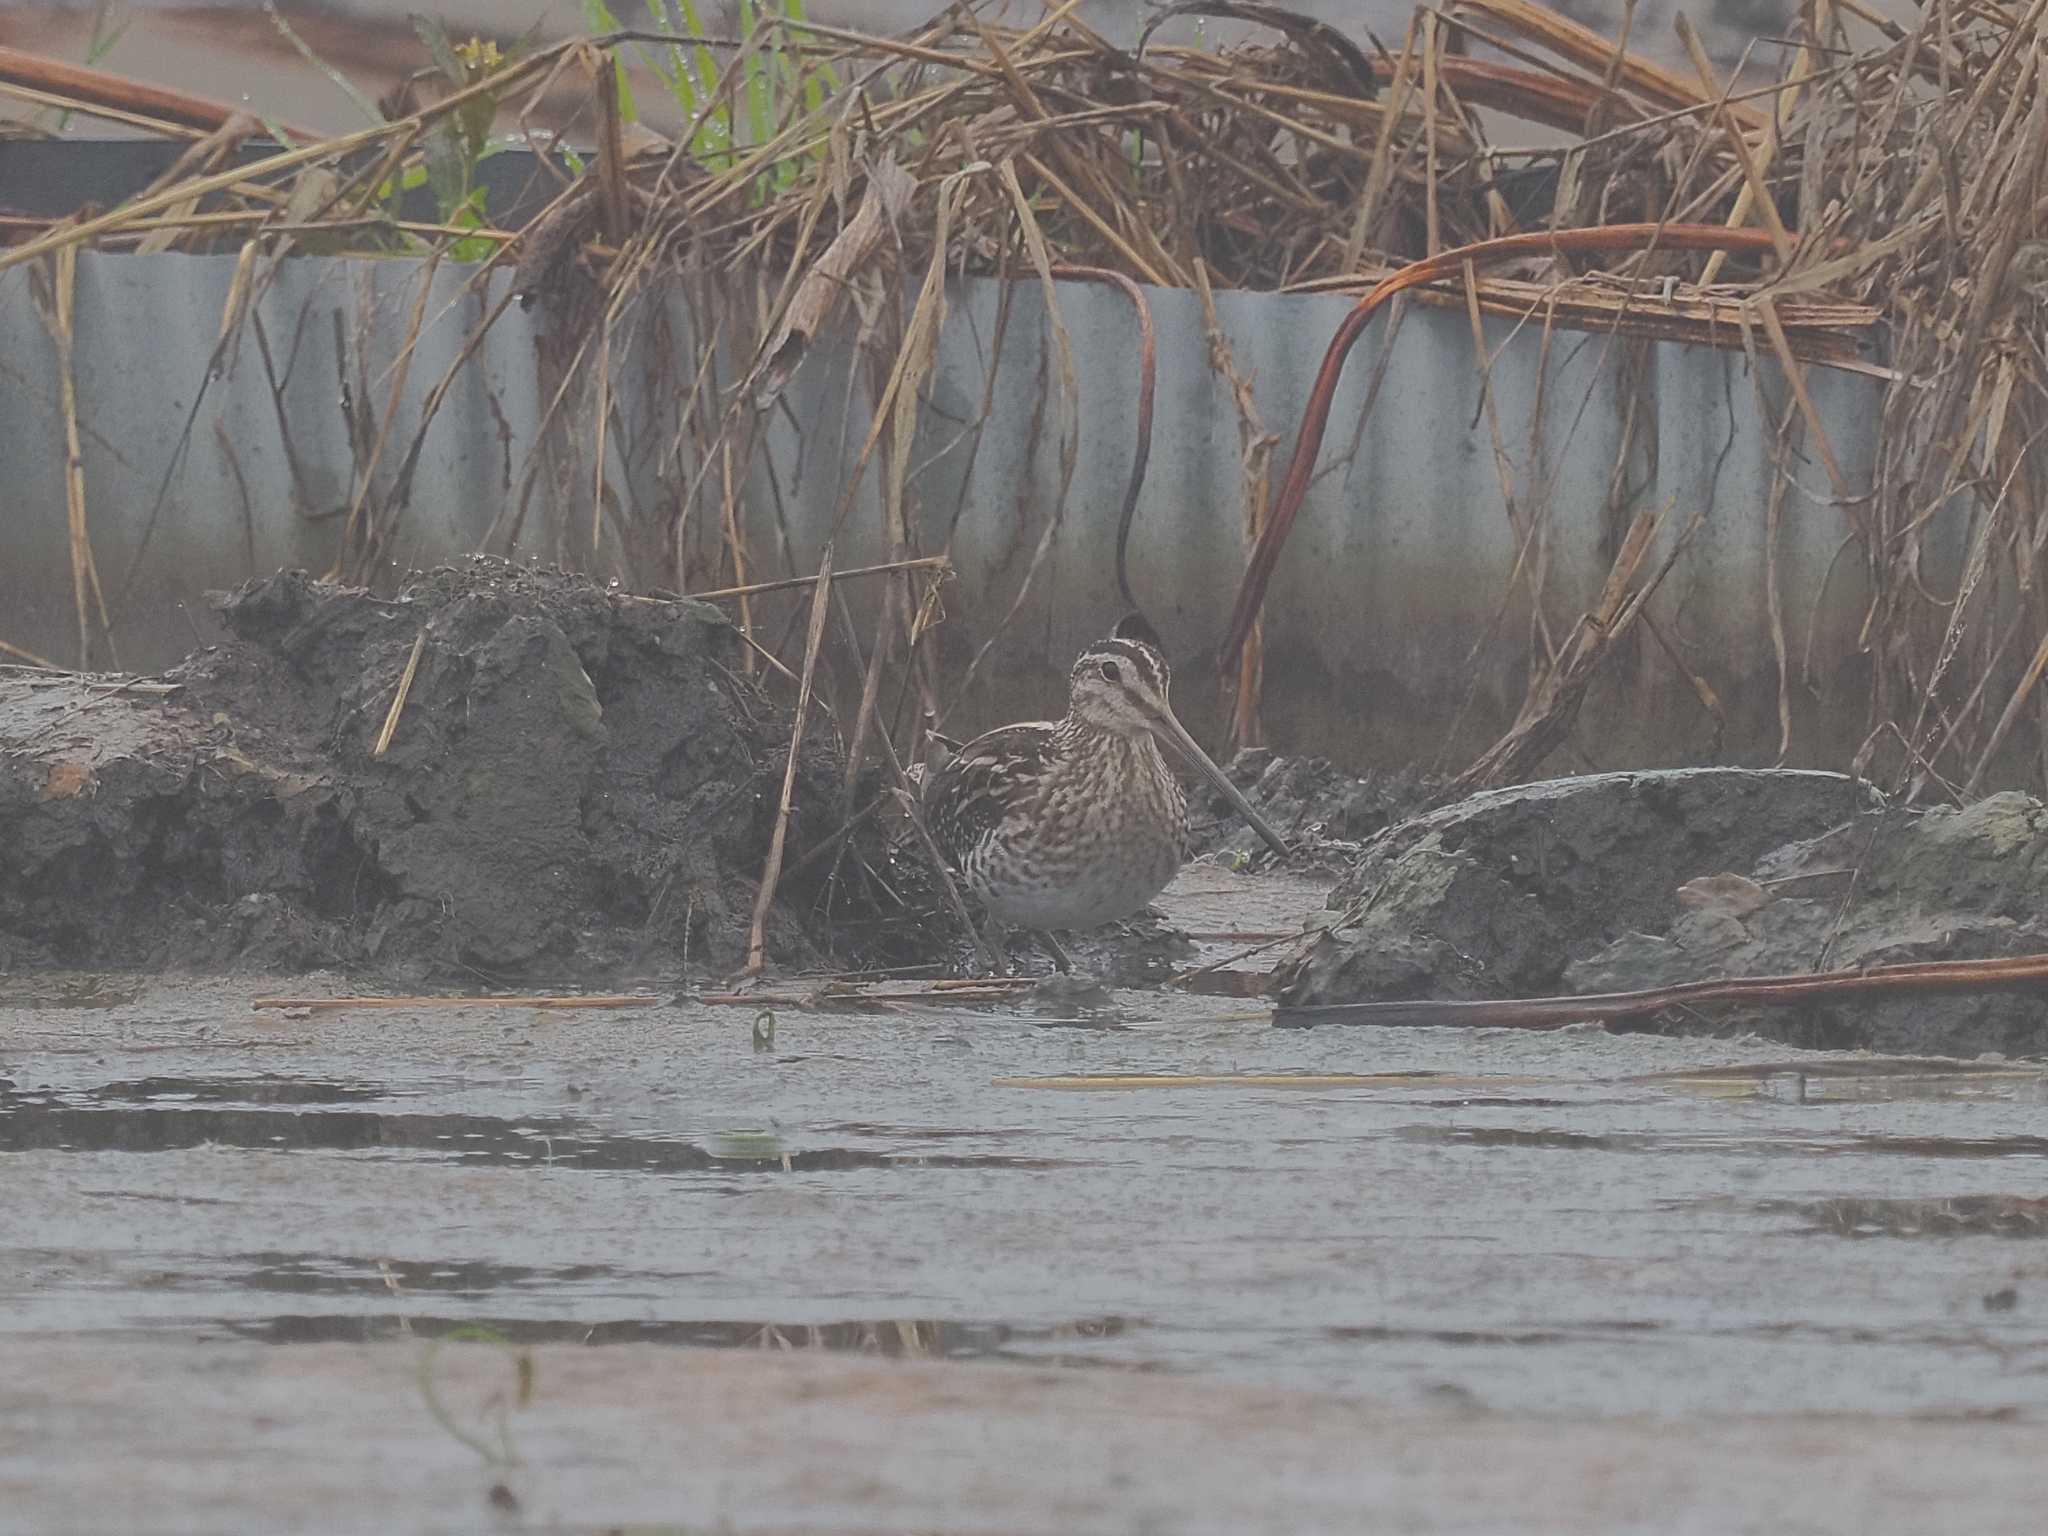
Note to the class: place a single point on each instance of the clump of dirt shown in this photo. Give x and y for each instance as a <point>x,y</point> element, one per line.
<point>1626,881</point>
<point>1495,895</point>
<point>579,783</point>
<point>1324,813</point>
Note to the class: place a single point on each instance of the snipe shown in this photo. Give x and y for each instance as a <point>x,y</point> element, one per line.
<point>1077,822</point>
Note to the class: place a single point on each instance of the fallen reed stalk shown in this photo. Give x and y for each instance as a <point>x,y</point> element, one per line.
<point>460,1000</point>
<point>940,563</point>
<point>30,657</point>
<point>1126,1082</point>
<point>2018,972</point>
<point>96,92</point>
<point>828,997</point>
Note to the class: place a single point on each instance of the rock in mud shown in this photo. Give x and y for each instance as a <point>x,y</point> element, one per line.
<point>1497,895</point>
<point>577,783</point>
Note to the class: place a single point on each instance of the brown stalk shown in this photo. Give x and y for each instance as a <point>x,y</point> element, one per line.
<point>86,594</point>
<point>199,157</point>
<point>30,657</point>
<point>771,872</point>
<point>611,152</point>
<point>866,714</point>
<point>941,563</point>
<point>1781,112</point>
<point>412,666</point>
<point>1155,262</point>
<point>466,1000</point>
<point>1774,599</point>
<point>1432,180</point>
<point>1738,140</point>
<point>600,425</point>
<point>87,89</point>
<point>1582,46</point>
<point>1381,176</point>
<point>1709,700</point>
<point>1108,231</point>
<point>1795,377</point>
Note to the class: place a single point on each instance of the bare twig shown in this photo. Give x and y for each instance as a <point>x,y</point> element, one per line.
<point>771,873</point>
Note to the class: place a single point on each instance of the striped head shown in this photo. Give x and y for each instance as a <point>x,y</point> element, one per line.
<point>1120,684</point>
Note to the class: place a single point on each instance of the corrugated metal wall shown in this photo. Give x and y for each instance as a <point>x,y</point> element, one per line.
<point>1392,631</point>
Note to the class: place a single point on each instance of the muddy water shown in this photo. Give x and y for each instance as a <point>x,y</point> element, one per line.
<point>1556,1226</point>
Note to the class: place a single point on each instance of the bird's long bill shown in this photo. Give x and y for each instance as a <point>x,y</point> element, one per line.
<point>1177,734</point>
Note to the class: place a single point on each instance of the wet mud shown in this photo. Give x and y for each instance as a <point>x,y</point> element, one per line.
<point>499,774</point>
<point>370,1218</point>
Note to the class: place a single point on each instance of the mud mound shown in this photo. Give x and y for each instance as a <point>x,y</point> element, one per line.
<point>578,783</point>
<point>1496,895</point>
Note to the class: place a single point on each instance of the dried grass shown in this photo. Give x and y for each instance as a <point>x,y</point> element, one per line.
<point>1887,182</point>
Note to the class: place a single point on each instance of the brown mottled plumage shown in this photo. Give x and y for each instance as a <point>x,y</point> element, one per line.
<point>1077,822</point>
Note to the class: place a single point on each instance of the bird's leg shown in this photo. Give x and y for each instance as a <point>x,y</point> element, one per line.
<point>997,937</point>
<point>1060,957</point>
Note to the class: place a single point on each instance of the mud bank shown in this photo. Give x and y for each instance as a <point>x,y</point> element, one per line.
<point>577,784</point>
<point>1632,880</point>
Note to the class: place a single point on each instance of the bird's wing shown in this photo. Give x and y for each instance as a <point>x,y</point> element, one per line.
<point>985,781</point>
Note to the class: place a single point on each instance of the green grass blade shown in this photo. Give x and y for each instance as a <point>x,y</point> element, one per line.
<point>681,80</point>
<point>715,130</point>
<point>760,123</point>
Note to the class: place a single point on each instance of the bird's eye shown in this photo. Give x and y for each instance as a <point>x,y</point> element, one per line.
<point>1110,672</point>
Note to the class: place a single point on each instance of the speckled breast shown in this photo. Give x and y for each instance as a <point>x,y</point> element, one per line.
<point>1100,843</point>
